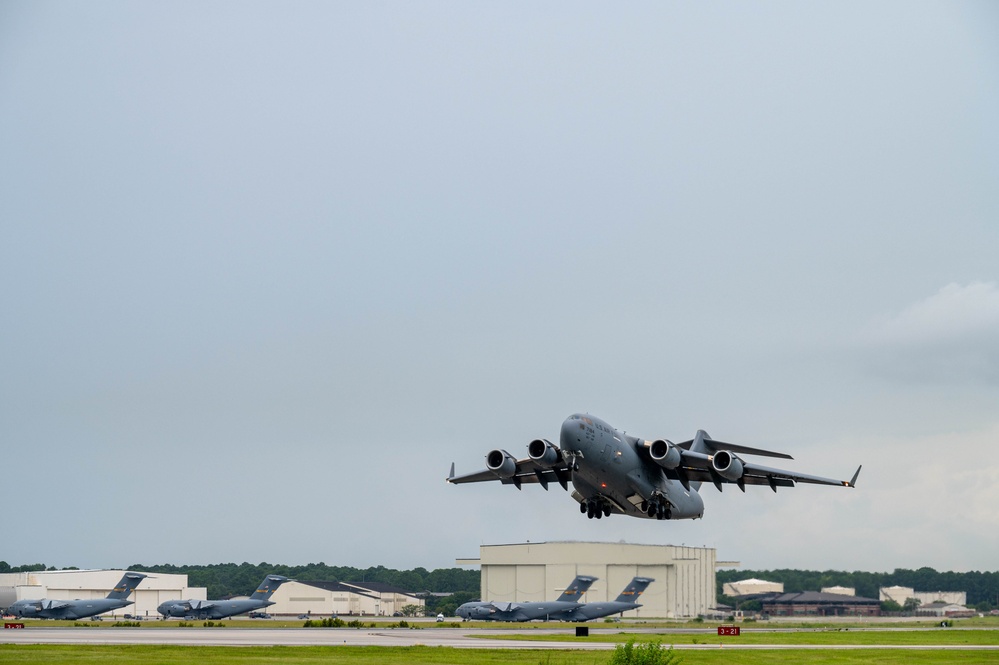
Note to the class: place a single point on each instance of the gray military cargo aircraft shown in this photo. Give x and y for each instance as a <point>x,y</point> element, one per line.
<point>78,609</point>
<point>220,609</point>
<point>492,611</point>
<point>612,472</point>
<point>628,600</point>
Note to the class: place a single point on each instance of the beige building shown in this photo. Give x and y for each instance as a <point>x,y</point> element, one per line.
<point>88,584</point>
<point>841,590</point>
<point>684,576</point>
<point>900,594</point>
<point>750,587</point>
<point>341,599</point>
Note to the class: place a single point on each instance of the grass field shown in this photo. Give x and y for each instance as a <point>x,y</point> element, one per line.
<point>175,655</point>
<point>930,637</point>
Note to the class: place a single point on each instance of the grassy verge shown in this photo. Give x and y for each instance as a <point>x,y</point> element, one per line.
<point>831,637</point>
<point>175,655</point>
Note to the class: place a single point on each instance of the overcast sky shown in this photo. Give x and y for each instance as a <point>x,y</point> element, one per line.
<point>267,269</point>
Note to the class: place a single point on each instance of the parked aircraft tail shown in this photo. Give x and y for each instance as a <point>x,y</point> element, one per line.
<point>268,587</point>
<point>634,590</point>
<point>574,592</point>
<point>124,589</point>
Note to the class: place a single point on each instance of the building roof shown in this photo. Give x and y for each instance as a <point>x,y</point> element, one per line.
<point>335,586</point>
<point>379,587</point>
<point>817,597</point>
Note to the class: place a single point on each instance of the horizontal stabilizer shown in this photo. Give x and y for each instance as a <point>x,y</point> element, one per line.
<point>714,446</point>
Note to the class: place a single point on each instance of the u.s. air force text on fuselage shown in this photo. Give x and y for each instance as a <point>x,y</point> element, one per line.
<point>612,472</point>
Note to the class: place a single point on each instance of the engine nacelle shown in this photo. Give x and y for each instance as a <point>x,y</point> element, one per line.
<point>665,454</point>
<point>502,463</point>
<point>727,465</point>
<point>545,453</point>
<point>482,612</point>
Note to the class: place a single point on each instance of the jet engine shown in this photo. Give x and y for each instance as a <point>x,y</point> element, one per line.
<point>502,463</point>
<point>727,465</point>
<point>545,453</point>
<point>665,454</point>
<point>481,612</point>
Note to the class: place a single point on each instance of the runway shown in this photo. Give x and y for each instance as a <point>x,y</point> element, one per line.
<point>435,637</point>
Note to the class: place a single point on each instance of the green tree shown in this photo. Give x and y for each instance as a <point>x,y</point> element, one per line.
<point>411,610</point>
<point>890,606</point>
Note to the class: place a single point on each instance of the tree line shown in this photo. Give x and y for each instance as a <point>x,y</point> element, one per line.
<point>982,587</point>
<point>231,579</point>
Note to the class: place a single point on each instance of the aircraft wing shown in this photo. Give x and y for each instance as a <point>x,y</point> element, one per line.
<point>522,471</point>
<point>700,467</point>
<point>52,604</point>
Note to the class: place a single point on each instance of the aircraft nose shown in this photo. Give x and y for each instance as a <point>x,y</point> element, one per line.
<point>569,435</point>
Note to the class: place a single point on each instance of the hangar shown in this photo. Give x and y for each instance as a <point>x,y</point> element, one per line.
<point>87,584</point>
<point>685,576</point>
<point>341,598</point>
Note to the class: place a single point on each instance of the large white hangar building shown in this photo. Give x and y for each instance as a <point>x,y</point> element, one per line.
<point>684,576</point>
<point>88,584</point>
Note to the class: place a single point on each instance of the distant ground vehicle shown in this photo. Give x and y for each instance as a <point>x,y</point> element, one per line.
<point>260,615</point>
<point>440,618</point>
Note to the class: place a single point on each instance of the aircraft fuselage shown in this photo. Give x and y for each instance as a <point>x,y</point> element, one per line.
<point>73,609</point>
<point>610,471</point>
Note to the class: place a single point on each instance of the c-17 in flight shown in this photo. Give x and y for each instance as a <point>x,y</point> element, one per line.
<point>612,472</point>
<point>78,609</point>
<point>627,600</point>
<point>493,611</point>
<point>220,609</point>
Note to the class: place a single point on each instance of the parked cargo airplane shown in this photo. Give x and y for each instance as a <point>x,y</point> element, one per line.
<point>525,611</point>
<point>219,609</point>
<point>78,609</point>
<point>627,600</point>
<point>612,472</point>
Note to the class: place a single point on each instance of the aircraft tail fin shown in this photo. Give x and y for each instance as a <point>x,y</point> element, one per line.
<point>268,587</point>
<point>124,589</point>
<point>574,592</point>
<point>634,589</point>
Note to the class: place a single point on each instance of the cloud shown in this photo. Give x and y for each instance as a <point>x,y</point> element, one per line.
<point>951,336</point>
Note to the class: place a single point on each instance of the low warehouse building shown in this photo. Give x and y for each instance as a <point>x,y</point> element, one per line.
<point>684,576</point>
<point>821,604</point>
<point>341,599</point>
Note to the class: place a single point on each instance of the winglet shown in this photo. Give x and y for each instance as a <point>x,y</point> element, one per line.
<point>451,475</point>
<point>853,481</point>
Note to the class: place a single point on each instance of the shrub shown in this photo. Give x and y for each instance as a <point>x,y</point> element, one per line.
<point>650,653</point>
<point>328,622</point>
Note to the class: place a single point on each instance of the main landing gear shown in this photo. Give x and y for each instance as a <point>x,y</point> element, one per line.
<point>594,508</point>
<point>658,508</point>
